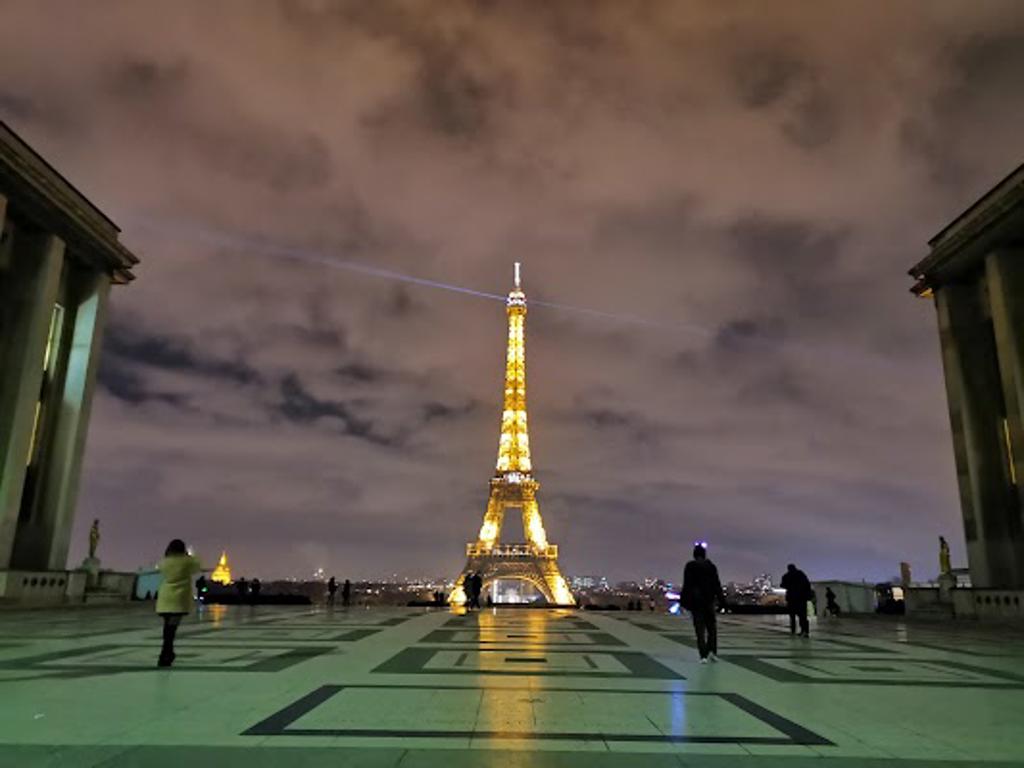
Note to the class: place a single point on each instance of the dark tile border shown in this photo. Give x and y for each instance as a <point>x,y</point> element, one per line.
<point>593,639</point>
<point>289,657</point>
<point>279,723</point>
<point>762,665</point>
<point>496,623</point>
<point>411,661</point>
<point>814,646</point>
<point>282,635</point>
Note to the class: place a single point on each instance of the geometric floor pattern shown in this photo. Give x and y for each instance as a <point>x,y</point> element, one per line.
<point>312,687</point>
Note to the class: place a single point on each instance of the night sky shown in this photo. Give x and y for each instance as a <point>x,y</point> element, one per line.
<point>724,197</point>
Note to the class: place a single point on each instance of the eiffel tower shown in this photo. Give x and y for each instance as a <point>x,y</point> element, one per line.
<point>535,561</point>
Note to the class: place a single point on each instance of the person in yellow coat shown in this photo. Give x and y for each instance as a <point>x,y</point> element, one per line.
<point>174,600</point>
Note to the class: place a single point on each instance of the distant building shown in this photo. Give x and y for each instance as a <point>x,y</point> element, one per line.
<point>975,274</point>
<point>59,255</point>
<point>222,573</point>
<point>589,582</point>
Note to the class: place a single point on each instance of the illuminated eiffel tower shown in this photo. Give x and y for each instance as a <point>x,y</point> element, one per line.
<point>536,561</point>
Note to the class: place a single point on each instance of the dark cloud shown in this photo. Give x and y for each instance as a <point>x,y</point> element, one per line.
<point>132,346</point>
<point>437,411</point>
<point>745,333</point>
<point>18,106</point>
<point>360,373</point>
<point>298,405</point>
<point>796,262</point>
<point>148,81</point>
<point>118,379</point>
<point>968,107</point>
<point>718,205</point>
<point>777,79</point>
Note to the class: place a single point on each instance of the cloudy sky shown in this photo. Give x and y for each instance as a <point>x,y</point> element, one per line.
<point>721,198</point>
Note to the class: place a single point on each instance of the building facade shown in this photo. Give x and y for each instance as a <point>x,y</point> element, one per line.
<point>974,272</point>
<point>59,256</point>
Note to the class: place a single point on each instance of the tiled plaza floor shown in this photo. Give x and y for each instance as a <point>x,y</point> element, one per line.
<point>306,687</point>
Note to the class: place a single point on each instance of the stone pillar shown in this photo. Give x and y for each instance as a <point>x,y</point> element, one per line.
<point>34,280</point>
<point>973,382</point>
<point>56,512</point>
<point>1004,271</point>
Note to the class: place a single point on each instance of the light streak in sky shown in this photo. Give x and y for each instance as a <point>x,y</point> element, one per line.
<point>323,258</point>
<point>176,230</point>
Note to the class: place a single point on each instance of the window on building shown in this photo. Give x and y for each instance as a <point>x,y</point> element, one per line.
<point>50,356</point>
<point>1009,451</point>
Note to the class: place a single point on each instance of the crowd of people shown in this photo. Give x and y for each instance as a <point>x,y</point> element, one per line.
<point>701,594</point>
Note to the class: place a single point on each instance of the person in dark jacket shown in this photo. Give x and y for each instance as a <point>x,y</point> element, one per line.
<point>701,588</point>
<point>798,592</point>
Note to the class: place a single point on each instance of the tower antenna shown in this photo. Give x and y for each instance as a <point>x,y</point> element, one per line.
<point>517,275</point>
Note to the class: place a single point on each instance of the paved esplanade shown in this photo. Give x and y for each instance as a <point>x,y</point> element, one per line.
<point>304,687</point>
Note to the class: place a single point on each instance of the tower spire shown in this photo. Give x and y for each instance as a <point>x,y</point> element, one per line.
<point>514,443</point>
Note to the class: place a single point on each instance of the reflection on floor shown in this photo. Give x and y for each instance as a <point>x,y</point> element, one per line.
<point>311,687</point>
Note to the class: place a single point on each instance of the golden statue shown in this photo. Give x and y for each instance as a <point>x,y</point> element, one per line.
<point>222,573</point>
<point>945,566</point>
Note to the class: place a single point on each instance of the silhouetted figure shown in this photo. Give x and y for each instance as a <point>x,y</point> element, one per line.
<point>476,585</point>
<point>831,606</point>
<point>174,599</point>
<point>798,592</point>
<point>346,593</point>
<point>242,588</point>
<point>201,588</point>
<point>254,591</point>
<point>332,588</point>
<point>701,589</point>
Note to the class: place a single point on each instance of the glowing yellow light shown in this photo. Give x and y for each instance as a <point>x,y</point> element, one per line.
<point>222,573</point>
<point>514,486</point>
<point>563,595</point>
<point>488,532</point>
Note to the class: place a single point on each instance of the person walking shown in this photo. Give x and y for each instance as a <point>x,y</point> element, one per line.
<point>473,591</point>
<point>798,592</point>
<point>701,589</point>
<point>332,587</point>
<point>174,598</point>
<point>346,593</point>
<point>831,606</point>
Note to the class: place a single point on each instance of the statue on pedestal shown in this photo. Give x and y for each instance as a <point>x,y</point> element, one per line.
<point>947,581</point>
<point>945,567</point>
<point>91,564</point>
<point>94,539</point>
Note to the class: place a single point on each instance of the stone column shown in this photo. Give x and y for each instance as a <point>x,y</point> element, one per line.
<point>973,383</point>
<point>56,512</point>
<point>34,280</point>
<point>1004,272</point>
